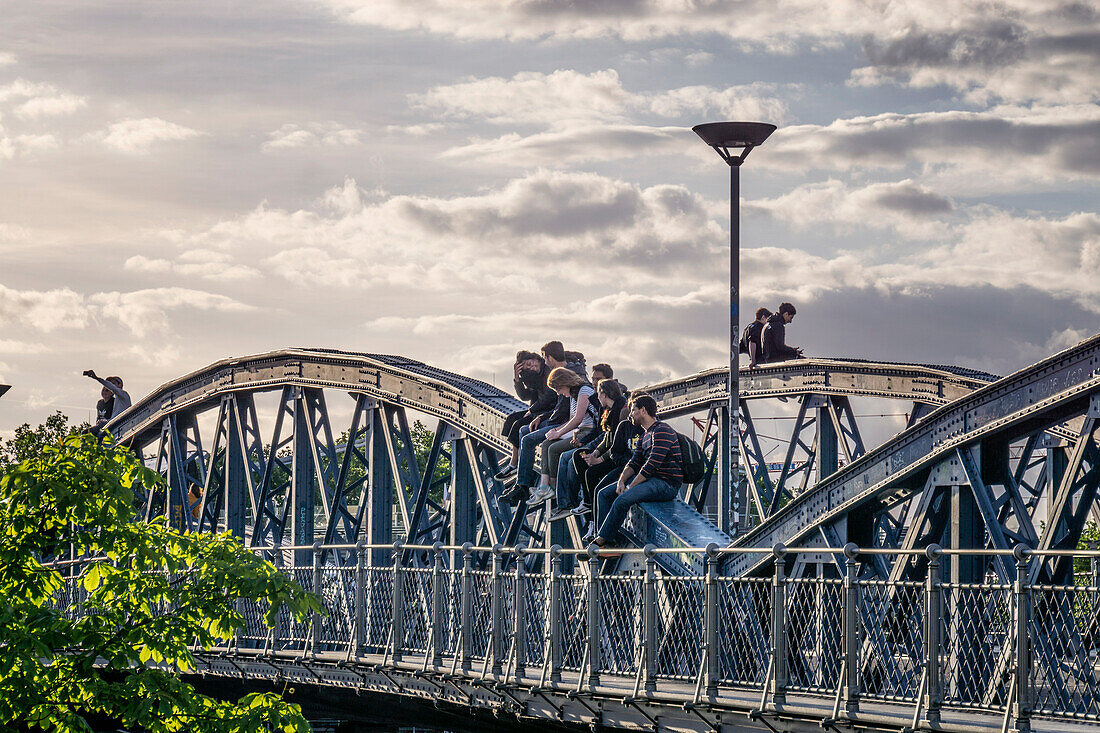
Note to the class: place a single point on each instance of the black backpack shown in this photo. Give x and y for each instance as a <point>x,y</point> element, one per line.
<point>746,336</point>
<point>692,461</point>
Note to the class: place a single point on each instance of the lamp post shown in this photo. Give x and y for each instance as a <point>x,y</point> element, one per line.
<point>733,141</point>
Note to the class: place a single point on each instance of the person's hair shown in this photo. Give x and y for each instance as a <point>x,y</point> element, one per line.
<point>646,403</point>
<point>604,369</point>
<point>787,308</point>
<point>117,381</point>
<point>611,388</point>
<point>562,377</point>
<point>762,313</point>
<point>554,349</point>
<point>524,355</point>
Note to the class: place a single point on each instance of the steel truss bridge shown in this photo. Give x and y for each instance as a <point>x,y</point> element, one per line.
<point>827,608</point>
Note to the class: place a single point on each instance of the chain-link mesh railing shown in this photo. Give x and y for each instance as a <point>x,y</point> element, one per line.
<point>744,617</point>
<point>814,628</point>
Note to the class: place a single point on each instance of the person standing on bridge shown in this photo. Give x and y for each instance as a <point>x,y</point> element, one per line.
<point>773,338</point>
<point>654,472</point>
<point>114,400</point>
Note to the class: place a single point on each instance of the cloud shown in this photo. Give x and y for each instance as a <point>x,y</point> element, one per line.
<point>7,58</point>
<point>138,136</point>
<point>533,97</point>
<point>1020,144</point>
<point>912,210</point>
<point>211,269</point>
<point>145,311</point>
<point>1010,49</point>
<point>44,310</point>
<point>51,106</point>
<point>12,346</point>
<point>313,135</point>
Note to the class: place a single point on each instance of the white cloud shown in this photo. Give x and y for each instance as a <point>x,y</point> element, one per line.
<point>138,136</point>
<point>44,310</point>
<point>50,106</point>
<point>145,311</point>
<point>12,346</point>
<point>214,269</point>
<point>533,98</point>
<point>317,134</point>
<point>7,58</point>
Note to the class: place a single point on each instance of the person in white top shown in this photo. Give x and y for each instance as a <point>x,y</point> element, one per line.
<point>583,411</point>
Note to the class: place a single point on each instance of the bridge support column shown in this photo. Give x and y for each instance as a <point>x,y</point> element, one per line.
<point>496,611</point>
<point>778,689</point>
<point>302,488</point>
<point>711,650</point>
<point>933,637</point>
<point>463,496</point>
<point>466,608</point>
<point>380,493</point>
<point>1023,694</point>
<point>397,621</point>
<point>235,466</point>
<point>519,618</point>
<point>593,621</point>
<point>359,637</point>
<point>649,619</point>
<point>437,605</point>
<point>851,631</point>
<point>555,614</point>
<point>828,447</point>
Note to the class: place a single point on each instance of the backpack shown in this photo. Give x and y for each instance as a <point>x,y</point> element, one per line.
<point>692,461</point>
<point>746,337</point>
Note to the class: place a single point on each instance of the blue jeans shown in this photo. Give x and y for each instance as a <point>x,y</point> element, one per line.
<point>529,441</point>
<point>611,509</point>
<point>568,481</point>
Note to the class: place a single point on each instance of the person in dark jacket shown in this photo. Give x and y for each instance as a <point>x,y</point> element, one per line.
<point>773,338</point>
<point>574,467</point>
<point>654,473</point>
<point>530,372</point>
<point>752,337</point>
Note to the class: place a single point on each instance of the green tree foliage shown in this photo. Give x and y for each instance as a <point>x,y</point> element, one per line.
<point>422,439</point>
<point>28,442</point>
<point>149,593</point>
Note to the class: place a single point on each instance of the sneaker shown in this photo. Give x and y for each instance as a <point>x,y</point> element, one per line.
<point>542,493</point>
<point>560,513</point>
<point>589,538</point>
<point>581,509</point>
<point>505,472</point>
<point>515,495</point>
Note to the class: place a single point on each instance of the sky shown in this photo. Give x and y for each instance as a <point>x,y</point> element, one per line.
<point>453,181</point>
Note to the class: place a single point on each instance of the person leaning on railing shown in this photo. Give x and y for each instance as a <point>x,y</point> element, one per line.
<point>654,472</point>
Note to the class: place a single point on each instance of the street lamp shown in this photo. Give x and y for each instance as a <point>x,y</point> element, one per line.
<point>733,141</point>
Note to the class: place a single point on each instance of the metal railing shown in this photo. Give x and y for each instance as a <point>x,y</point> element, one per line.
<point>1017,650</point>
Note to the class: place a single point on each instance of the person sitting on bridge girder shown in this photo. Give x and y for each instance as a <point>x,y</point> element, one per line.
<point>114,400</point>
<point>533,434</point>
<point>583,413</point>
<point>774,336</point>
<point>750,339</point>
<point>530,372</point>
<point>654,473</point>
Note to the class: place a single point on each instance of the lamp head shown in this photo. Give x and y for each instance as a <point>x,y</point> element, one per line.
<point>727,138</point>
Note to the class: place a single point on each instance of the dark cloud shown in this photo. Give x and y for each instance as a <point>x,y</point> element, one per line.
<point>584,8</point>
<point>995,45</point>
<point>912,200</point>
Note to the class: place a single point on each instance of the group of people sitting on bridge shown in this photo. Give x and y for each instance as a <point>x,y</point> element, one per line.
<point>765,339</point>
<point>602,450</point>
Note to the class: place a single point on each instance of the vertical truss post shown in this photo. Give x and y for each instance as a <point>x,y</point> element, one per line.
<point>178,515</point>
<point>593,618</point>
<point>463,495</point>
<point>851,630</point>
<point>236,464</point>
<point>729,514</point>
<point>828,443</point>
<point>711,650</point>
<point>496,610</point>
<point>933,637</point>
<point>555,613</point>
<point>649,619</point>
<point>360,629</point>
<point>398,605</point>
<point>466,608</point>
<point>519,617</point>
<point>315,622</point>
<point>778,689</point>
<point>437,604</point>
<point>301,486</point>
<point>380,493</point>
<point>1021,707</point>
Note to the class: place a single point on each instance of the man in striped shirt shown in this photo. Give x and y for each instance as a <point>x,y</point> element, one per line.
<point>654,472</point>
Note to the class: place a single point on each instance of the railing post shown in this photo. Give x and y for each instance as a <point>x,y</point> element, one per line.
<point>360,629</point>
<point>315,626</point>
<point>649,619</point>
<point>496,610</point>
<point>555,613</point>
<point>779,627</point>
<point>711,650</point>
<point>933,635</point>
<point>519,618</point>
<point>397,629</point>
<point>851,629</point>
<point>437,604</point>
<point>593,609</point>
<point>1021,709</point>
<point>466,607</point>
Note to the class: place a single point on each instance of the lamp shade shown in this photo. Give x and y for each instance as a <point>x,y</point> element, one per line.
<point>734,134</point>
